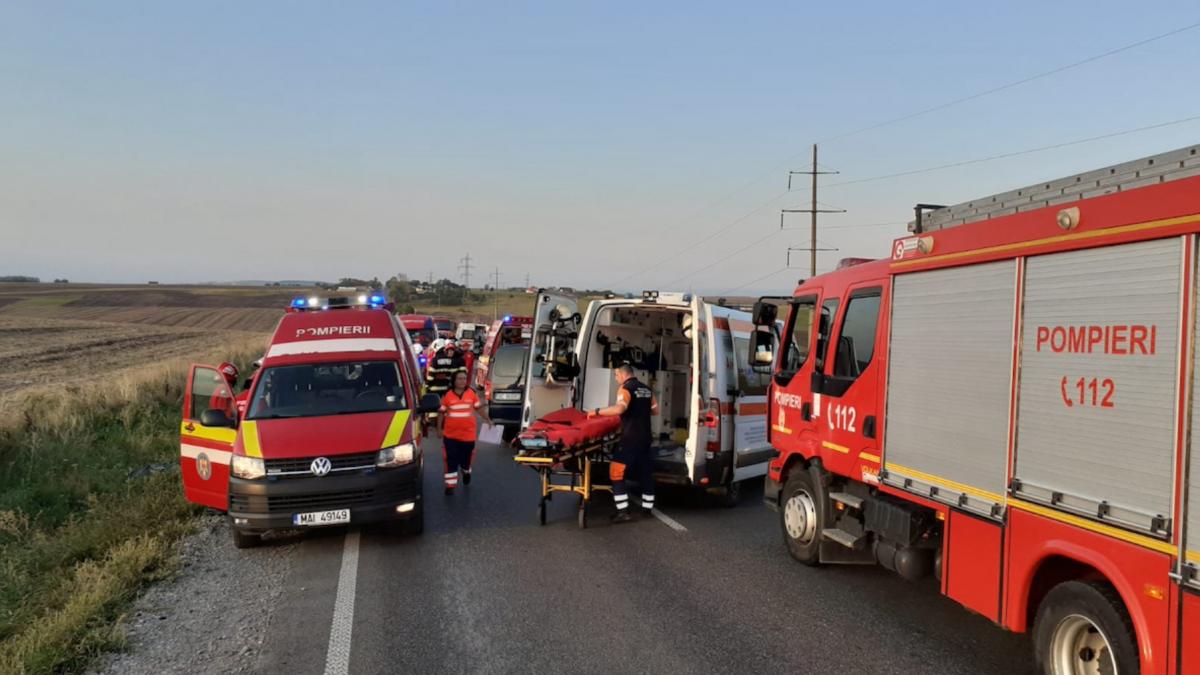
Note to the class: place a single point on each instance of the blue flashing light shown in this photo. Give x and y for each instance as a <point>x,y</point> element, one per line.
<point>422,360</point>
<point>300,302</point>
<point>376,299</point>
<point>507,318</point>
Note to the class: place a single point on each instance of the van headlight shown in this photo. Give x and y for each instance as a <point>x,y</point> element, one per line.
<point>247,467</point>
<point>398,455</point>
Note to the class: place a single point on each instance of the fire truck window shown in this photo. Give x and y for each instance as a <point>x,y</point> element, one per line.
<point>210,392</point>
<point>800,332</point>
<point>856,344</point>
<point>825,330</point>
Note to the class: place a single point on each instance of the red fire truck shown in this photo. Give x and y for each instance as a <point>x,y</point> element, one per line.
<point>1007,404</point>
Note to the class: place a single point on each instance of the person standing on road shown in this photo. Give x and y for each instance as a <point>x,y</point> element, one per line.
<point>456,424</point>
<point>636,405</point>
<point>440,371</point>
<point>223,399</point>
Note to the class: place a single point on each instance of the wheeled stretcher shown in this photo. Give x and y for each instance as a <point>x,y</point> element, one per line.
<point>564,447</point>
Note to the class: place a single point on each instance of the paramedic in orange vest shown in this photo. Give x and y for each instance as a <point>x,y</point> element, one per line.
<point>456,423</point>
<point>636,405</point>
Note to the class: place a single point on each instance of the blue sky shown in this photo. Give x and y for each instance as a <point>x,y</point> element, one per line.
<point>579,143</point>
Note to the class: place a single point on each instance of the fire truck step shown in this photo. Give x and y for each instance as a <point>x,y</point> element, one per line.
<point>842,537</point>
<point>849,500</point>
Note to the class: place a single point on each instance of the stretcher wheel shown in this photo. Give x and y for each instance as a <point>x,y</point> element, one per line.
<point>542,511</point>
<point>583,514</point>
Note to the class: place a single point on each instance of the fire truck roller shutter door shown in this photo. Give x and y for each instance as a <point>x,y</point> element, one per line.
<point>950,370</point>
<point>1096,418</point>
<point>1192,516</point>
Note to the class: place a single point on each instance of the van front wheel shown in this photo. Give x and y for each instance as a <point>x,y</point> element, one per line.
<point>801,516</point>
<point>244,540</point>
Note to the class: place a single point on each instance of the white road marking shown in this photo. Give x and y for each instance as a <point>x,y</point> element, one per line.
<point>668,521</point>
<point>337,659</point>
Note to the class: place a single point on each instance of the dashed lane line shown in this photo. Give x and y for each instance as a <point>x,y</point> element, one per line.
<point>669,521</point>
<point>337,659</point>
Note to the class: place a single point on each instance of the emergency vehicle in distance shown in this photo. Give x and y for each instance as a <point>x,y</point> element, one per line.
<point>329,436</point>
<point>711,431</point>
<point>1008,404</point>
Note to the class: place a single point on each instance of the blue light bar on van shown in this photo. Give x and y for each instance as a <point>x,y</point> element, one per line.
<point>300,302</point>
<point>507,318</point>
<point>376,299</point>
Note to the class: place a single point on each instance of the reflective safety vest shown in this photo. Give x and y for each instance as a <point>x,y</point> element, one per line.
<point>460,414</point>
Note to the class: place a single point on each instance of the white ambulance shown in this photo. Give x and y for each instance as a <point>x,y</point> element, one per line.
<point>711,431</point>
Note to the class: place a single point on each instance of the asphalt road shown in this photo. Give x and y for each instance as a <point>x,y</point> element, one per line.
<point>486,589</point>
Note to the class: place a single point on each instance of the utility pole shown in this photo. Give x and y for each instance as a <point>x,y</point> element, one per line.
<point>814,172</point>
<point>496,294</point>
<point>527,280</point>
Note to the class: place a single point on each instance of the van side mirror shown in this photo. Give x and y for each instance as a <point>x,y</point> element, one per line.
<point>216,418</point>
<point>430,403</point>
<point>765,313</point>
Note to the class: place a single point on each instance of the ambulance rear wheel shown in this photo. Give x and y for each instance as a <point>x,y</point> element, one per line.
<point>244,540</point>
<point>1082,627</point>
<point>801,516</point>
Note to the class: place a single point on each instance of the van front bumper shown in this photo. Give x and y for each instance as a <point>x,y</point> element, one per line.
<point>372,496</point>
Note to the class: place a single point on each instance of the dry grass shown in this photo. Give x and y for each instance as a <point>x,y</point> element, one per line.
<point>80,532</point>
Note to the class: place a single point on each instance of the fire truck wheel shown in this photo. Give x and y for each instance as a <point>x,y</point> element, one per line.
<point>244,540</point>
<point>1082,627</point>
<point>801,516</point>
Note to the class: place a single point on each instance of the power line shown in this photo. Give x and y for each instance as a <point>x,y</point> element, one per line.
<point>464,264</point>
<point>1017,153</point>
<point>762,278</point>
<point>1015,83</point>
<point>694,245</point>
<point>713,264</point>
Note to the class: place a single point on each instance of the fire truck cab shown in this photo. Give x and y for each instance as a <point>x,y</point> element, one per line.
<point>329,435</point>
<point>1007,404</point>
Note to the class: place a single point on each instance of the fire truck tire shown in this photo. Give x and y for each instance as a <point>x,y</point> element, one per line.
<point>244,540</point>
<point>802,515</point>
<point>1083,627</point>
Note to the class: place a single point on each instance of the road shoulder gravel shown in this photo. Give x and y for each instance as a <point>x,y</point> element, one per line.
<point>213,616</point>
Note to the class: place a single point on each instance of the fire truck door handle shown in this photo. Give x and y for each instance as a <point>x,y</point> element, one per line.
<point>806,412</point>
<point>869,427</point>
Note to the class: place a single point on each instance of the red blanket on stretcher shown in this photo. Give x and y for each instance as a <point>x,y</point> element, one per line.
<point>570,427</point>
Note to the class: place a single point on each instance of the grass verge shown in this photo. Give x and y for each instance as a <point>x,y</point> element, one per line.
<point>90,510</point>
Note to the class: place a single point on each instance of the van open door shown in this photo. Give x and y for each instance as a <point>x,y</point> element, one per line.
<point>206,437</point>
<point>553,364</point>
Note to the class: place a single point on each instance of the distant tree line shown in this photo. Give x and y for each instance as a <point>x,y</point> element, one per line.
<point>18,278</point>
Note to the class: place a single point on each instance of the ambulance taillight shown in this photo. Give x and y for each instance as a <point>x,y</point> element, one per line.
<point>712,420</point>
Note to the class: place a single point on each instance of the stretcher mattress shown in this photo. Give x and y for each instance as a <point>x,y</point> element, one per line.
<point>567,428</point>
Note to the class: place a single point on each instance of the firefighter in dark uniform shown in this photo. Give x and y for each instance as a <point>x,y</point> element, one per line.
<point>439,372</point>
<point>635,404</point>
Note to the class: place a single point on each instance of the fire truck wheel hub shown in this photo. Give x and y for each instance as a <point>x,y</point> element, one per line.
<point>1080,648</point>
<point>800,517</point>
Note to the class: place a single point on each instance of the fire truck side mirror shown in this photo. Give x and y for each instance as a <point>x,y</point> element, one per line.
<point>765,313</point>
<point>817,384</point>
<point>762,350</point>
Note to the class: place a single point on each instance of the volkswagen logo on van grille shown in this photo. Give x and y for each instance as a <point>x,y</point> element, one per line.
<point>320,466</point>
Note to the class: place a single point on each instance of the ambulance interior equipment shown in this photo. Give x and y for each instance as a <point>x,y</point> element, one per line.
<point>653,342</point>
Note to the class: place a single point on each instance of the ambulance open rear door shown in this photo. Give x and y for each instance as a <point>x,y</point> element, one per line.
<point>552,365</point>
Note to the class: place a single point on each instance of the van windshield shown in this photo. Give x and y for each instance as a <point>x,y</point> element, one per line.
<point>313,389</point>
<point>508,365</point>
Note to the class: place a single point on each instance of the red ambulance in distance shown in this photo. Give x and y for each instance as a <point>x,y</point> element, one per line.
<point>1009,405</point>
<point>330,435</point>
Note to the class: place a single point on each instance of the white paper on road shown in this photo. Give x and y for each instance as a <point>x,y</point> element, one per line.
<point>491,434</point>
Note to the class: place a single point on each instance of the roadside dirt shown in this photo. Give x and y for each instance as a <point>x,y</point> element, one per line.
<point>213,616</point>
